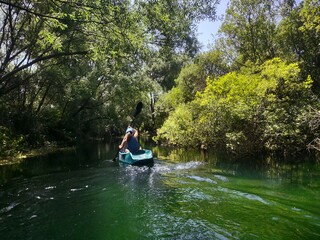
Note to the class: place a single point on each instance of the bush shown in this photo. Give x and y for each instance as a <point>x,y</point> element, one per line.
<point>178,128</point>
<point>10,145</point>
<point>255,109</point>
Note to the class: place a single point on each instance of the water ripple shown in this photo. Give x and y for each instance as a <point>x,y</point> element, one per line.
<point>78,189</point>
<point>9,208</point>
<point>202,179</point>
<point>165,168</point>
<point>222,178</point>
<point>243,194</point>
<point>166,226</point>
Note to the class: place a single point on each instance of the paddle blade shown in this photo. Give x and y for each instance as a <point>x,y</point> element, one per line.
<point>138,109</point>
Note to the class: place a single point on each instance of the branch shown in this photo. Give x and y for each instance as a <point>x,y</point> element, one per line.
<point>314,144</point>
<point>37,60</point>
<point>48,16</point>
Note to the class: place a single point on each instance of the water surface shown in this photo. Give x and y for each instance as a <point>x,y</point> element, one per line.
<point>185,195</point>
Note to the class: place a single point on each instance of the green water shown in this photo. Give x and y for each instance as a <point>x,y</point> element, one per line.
<point>84,195</point>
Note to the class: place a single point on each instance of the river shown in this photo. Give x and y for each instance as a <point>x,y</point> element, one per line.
<point>83,194</point>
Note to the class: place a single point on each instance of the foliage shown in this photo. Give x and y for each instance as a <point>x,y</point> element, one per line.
<point>298,38</point>
<point>258,30</point>
<point>74,69</point>
<point>249,30</point>
<point>314,124</point>
<point>257,108</point>
<point>263,95</point>
<point>172,23</point>
<point>178,128</point>
<point>9,144</point>
<point>192,78</point>
<point>163,70</point>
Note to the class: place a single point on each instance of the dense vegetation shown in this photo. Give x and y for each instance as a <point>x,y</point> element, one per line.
<point>76,69</point>
<point>257,89</point>
<point>71,70</point>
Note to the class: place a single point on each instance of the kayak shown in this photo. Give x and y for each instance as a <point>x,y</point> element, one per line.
<point>140,158</point>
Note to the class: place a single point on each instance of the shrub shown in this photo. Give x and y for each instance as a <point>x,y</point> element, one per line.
<point>10,145</point>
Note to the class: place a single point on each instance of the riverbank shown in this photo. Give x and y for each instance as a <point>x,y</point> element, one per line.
<point>33,153</point>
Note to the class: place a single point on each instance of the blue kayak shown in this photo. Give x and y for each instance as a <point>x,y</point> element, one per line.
<point>140,158</point>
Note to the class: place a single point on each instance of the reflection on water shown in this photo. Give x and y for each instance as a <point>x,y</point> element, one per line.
<point>185,195</point>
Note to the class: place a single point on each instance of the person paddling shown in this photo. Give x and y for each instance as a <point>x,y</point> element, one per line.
<point>130,141</point>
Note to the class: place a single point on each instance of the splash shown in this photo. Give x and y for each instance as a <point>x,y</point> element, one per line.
<point>165,168</point>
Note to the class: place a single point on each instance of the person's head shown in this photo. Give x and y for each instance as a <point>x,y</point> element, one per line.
<point>130,130</point>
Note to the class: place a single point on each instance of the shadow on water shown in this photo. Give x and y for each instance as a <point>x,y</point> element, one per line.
<point>92,154</point>
<point>83,156</point>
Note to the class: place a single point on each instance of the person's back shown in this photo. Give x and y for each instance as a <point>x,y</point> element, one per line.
<point>130,141</point>
<point>133,144</point>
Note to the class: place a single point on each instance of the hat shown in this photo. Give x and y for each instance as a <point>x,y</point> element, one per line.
<point>130,129</point>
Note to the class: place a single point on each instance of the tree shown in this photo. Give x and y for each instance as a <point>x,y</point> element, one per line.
<point>69,67</point>
<point>191,79</point>
<point>249,29</point>
<point>298,38</point>
<point>259,108</point>
<point>172,23</point>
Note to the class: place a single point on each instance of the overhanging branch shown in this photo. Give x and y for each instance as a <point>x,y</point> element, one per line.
<point>48,16</point>
<point>39,59</point>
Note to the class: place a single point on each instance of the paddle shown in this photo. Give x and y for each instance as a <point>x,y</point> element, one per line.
<point>138,110</point>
